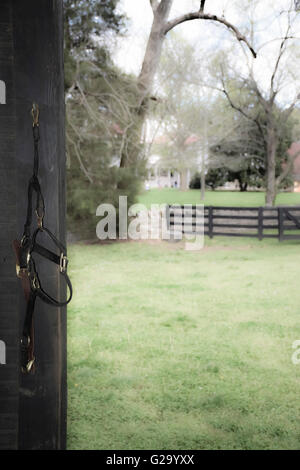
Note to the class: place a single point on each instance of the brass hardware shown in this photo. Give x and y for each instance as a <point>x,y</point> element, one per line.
<point>39,220</point>
<point>63,263</point>
<point>30,364</point>
<point>35,282</point>
<point>20,271</point>
<point>35,112</point>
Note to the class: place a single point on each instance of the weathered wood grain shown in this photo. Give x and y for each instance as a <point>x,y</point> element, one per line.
<point>32,408</point>
<point>38,40</point>
<point>9,322</point>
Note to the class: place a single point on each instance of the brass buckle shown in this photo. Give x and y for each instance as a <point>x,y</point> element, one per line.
<point>23,240</point>
<point>63,262</point>
<point>29,365</point>
<point>28,368</point>
<point>35,282</point>
<point>35,112</point>
<point>19,270</point>
<point>39,220</point>
<point>25,342</point>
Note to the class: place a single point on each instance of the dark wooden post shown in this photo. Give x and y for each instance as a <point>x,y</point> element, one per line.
<point>33,407</point>
<point>280,223</point>
<point>9,315</point>
<point>168,217</point>
<point>260,222</point>
<point>210,222</point>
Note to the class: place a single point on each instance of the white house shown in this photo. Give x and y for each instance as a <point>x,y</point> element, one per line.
<point>159,176</point>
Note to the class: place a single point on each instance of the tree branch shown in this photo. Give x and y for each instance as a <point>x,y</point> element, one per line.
<point>281,52</point>
<point>234,106</point>
<point>287,112</point>
<point>246,115</point>
<point>79,157</point>
<point>199,15</point>
<point>274,40</point>
<point>154,4</point>
<point>202,5</point>
<point>291,159</point>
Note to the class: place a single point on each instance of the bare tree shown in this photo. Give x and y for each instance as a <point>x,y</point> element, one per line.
<point>275,113</point>
<point>161,26</point>
<point>188,118</point>
<point>100,110</point>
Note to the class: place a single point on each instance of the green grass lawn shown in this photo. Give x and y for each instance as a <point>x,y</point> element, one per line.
<point>214,198</point>
<point>170,349</point>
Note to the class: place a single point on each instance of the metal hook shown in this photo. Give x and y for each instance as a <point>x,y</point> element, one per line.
<point>35,112</point>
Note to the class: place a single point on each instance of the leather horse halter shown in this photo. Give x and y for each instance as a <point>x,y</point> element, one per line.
<point>24,250</point>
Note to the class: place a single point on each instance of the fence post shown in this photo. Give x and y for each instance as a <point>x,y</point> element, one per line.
<point>168,217</point>
<point>210,222</point>
<point>168,222</point>
<point>280,224</point>
<point>260,223</point>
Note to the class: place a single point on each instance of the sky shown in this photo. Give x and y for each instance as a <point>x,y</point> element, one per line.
<point>131,50</point>
<point>204,35</point>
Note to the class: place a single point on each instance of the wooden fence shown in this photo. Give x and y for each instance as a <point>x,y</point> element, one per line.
<point>259,222</point>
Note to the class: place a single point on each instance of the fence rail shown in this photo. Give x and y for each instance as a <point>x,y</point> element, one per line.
<point>258,222</point>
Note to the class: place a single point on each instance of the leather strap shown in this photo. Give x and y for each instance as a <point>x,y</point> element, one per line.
<point>21,272</point>
<point>27,340</point>
<point>24,251</point>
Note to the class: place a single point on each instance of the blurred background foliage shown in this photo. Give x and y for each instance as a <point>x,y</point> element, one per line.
<point>100,104</point>
<point>203,117</point>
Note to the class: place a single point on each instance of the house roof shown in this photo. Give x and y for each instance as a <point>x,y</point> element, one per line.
<point>165,139</point>
<point>191,139</point>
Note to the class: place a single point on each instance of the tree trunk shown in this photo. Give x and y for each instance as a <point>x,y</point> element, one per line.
<point>243,186</point>
<point>271,166</point>
<point>145,81</point>
<point>154,48</point>
<point>160,27</point>
<point>205,150</point>
<point>184,186</point>
<point>202,178</point>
